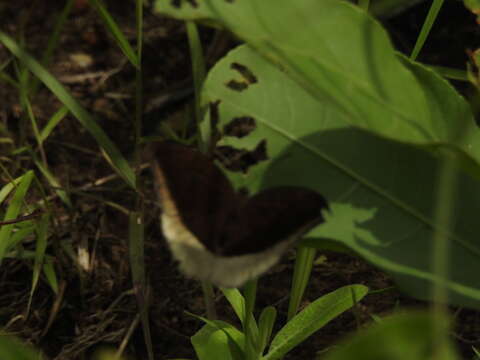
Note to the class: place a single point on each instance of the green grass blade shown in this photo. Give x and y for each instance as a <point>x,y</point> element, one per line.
<point>116,32</point>
<point>265,326</point>
<point>8,79</point>
<point>52,180</point>
<point>301,275</point>
<point>138,118</point>
<point>477,353</point>
<point>250,327</point>
<point>41,246</point>
<point>427,26</point>
<point>198,71</point>
<point>27,106</point>
<point>53,122</point>
<point>53,41</point>
<point>13,210</point>
<point>136,248</point>
<point>5,190</point>
<point>87,120</point>
<point>20,234</point>
<point>57,30</point>
<point>50,274</point>
<point>137,263</point>
<point>236,300</point>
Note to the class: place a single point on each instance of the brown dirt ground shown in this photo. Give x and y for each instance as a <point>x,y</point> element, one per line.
<point>97,307</point>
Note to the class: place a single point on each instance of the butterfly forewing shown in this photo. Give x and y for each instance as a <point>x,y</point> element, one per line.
<point>203,196</point>
<point>215,233</point>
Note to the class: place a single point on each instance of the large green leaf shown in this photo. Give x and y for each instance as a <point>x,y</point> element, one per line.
<point>381,192</point>
<point>405,336</point>
<point>342,57</point>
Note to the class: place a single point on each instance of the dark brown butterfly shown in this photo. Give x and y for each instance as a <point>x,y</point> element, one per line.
<point>218,234</point>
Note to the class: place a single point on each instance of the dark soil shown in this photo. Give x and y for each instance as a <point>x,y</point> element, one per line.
<point>97,305</point>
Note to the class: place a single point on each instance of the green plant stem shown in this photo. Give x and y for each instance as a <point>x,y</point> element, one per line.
<point>208,296</point>
<point>444,211</point>
<point>139,206</point>
<point>427,26</point>
<point>138,87</point>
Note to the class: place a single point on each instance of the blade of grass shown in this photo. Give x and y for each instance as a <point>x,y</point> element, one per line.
<point>58,188</point>
<point>53,41</point>
<point>301,274</point>
<point>54,120</point>
<point>265,326</point>
<point>198,72</point>
<point>13,210</point>
<point>9,79</point>
<point>120,164</point>
<point>19,235</point>
<point>7,189</point>
<point>40,247</point>
<point>251,332</point>
<point>137,263</point>
<point>5,77</point>
<point>49,271</point>
<point>115,31</point>
<point>137,125</point>
<point>28,107</point>
<point>427,26</point>
<point>236,300</point>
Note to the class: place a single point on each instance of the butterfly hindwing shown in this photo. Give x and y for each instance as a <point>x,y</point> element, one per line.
<point>273,216</point>
<point>217,234</point>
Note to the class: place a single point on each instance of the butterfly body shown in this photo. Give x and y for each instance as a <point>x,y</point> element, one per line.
<point>214,232</point>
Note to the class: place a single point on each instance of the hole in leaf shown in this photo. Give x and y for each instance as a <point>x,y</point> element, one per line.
<point>214,115</point>
<point>240,126</point>
<point>247,74</point>
<point>193,3</point>
<point>214,118</point>
<point>241,160</point>
<point>237,85</point>
<point>178,3</point>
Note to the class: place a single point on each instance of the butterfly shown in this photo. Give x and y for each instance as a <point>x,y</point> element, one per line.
<point>218,234</point>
